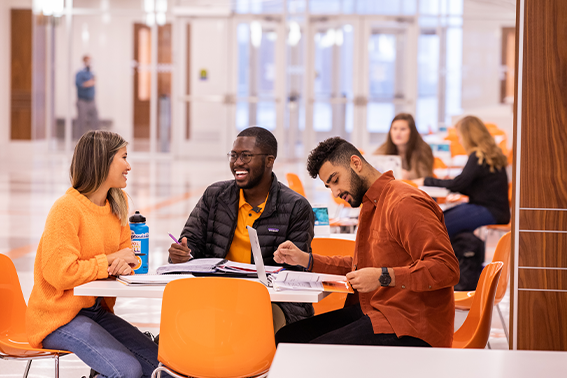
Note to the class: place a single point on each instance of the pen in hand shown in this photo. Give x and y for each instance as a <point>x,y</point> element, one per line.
<point>177,242</point>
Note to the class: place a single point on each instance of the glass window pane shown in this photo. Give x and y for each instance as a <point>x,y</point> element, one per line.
<point>380,116</point>
<point>296,6</point>
<point>454,74</point>
<point>382,65</point>
<point>266,115</point>
<point>242,115</point>
<point>325,6</point>
<point>243,51</point>
<point>426,114</point>
<point>379,7</point>
<point>429,7</point>
<point>322,116</point>
<point>409,6</point>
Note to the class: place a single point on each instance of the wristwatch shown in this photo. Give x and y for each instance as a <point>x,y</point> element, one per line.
<point>385,278</point>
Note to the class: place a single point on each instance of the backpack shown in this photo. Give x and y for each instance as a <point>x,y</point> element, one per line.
<point>469,250</point>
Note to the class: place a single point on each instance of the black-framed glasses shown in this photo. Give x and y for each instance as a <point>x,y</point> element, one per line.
<point>245,157</point>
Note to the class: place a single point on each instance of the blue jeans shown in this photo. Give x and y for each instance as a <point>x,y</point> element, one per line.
<point>108,344</point>
<point>467,217</point>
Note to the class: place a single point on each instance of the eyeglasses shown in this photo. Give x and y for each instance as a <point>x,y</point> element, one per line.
<point>245,157</point>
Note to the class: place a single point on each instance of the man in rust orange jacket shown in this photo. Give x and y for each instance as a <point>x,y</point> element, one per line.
<point>403,269</point>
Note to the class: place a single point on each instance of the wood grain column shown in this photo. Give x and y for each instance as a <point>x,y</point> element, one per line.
<point>539,283</point>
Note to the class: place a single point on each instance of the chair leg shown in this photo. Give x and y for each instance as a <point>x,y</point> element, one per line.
<point>28,365</point>
<point>503,323</point>
<point>56,366</point>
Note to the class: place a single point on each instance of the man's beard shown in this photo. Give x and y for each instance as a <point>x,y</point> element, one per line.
<point>357,189</point>
<point>255,180</point>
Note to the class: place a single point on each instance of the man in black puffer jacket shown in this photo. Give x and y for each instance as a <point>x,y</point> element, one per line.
<point>217,225</point>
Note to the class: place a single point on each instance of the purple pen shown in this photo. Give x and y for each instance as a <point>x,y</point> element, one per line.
<point>173,237</point>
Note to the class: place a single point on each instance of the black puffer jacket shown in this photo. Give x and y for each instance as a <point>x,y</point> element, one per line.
<point>287,216</point>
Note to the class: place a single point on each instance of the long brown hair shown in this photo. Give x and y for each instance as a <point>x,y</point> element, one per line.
<point>415,143</point>
<point>91,162</point>
<point>476,138</point>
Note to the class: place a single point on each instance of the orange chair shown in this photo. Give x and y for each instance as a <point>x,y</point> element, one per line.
<point>13,337</point>
<point>475,331</point>
<point>295,183</point>
<point>409,182</point>
<point>332,247</point>
<point>216,327</point>
<point>464,299</point>
<point>438,163</point>
<point>455,146</point>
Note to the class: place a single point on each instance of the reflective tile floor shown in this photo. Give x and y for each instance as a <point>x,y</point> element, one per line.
<point>165,191</point>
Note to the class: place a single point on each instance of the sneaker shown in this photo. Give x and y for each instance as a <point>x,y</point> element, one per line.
<point>93,374</point>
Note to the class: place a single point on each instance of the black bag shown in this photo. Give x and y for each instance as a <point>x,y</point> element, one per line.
<point>470,252</point>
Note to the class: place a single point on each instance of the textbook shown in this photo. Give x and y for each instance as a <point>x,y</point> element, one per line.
<point>151,279</point>
<point>292,280</point>
<point>214,266</point>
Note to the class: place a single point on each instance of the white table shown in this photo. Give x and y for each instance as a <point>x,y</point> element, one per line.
<point>113,288</point>
<point>305,360</point>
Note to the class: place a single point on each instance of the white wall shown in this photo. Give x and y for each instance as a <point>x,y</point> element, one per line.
<point>482,59</point>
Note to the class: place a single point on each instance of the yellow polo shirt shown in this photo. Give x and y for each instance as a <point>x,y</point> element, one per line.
<point>240,250</point>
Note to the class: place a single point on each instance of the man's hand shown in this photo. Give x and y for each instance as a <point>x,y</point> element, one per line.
<point>365,280</point>
<point>288,253</point>
<point>180,253</point>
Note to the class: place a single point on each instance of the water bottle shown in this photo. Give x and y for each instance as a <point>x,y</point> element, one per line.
<point>140,233</point>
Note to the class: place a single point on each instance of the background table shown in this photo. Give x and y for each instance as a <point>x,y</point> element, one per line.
<point>308,360</point>
<point>113,288</point>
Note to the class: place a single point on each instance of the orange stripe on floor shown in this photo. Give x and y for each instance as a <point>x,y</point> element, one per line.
<point>171,201</point>
<point>21,251</point>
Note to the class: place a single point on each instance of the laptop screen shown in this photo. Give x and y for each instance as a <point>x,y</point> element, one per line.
<point>257,253</point>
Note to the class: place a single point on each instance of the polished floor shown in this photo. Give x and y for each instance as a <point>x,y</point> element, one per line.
<point>165,191</point>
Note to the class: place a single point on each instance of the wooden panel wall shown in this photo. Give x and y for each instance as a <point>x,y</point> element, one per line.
<point>542,242</point>
<point>21,74</point>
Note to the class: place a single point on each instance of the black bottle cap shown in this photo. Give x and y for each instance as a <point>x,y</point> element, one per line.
<point>137,218</point>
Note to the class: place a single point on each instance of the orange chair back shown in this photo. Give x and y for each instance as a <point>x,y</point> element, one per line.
<point>409,182</point>
<point>13,314</point>
<point>216,327</point>
<point>475,331</point>
<point>13,336</point>
<point>295,183</point>
<point>331,247</point>
<point>502,253</point>
<point>457,149</point>
<point>438,163</point>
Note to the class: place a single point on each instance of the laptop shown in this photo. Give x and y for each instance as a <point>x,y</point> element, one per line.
<point>384,163</point>
<point>258,259</point>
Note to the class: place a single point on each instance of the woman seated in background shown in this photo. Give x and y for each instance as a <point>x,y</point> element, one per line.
<point>404,140</point>
<point>483,179</point>
<point>86,237</point>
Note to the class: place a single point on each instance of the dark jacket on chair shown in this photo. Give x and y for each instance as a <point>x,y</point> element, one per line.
<point>287,216</point>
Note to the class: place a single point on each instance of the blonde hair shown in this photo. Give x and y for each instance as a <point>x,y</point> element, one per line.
<point>91,162</point>
<point>476,138</point>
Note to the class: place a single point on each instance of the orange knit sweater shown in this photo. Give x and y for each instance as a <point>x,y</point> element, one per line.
<point>72,251</point>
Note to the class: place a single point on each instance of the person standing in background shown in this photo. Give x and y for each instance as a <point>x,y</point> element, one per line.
<point>87,114</point>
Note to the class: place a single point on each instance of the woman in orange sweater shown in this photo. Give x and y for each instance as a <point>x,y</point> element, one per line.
<point>86,237</point>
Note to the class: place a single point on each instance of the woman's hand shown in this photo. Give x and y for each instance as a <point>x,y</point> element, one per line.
<point>125,254</point>
<point>119,267</point>
<point>288,253</point>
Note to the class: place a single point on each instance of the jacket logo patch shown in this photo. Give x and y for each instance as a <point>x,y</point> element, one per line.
<point>274,229</point>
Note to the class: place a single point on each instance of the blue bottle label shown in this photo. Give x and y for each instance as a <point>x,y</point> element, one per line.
<point>140,246</point>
